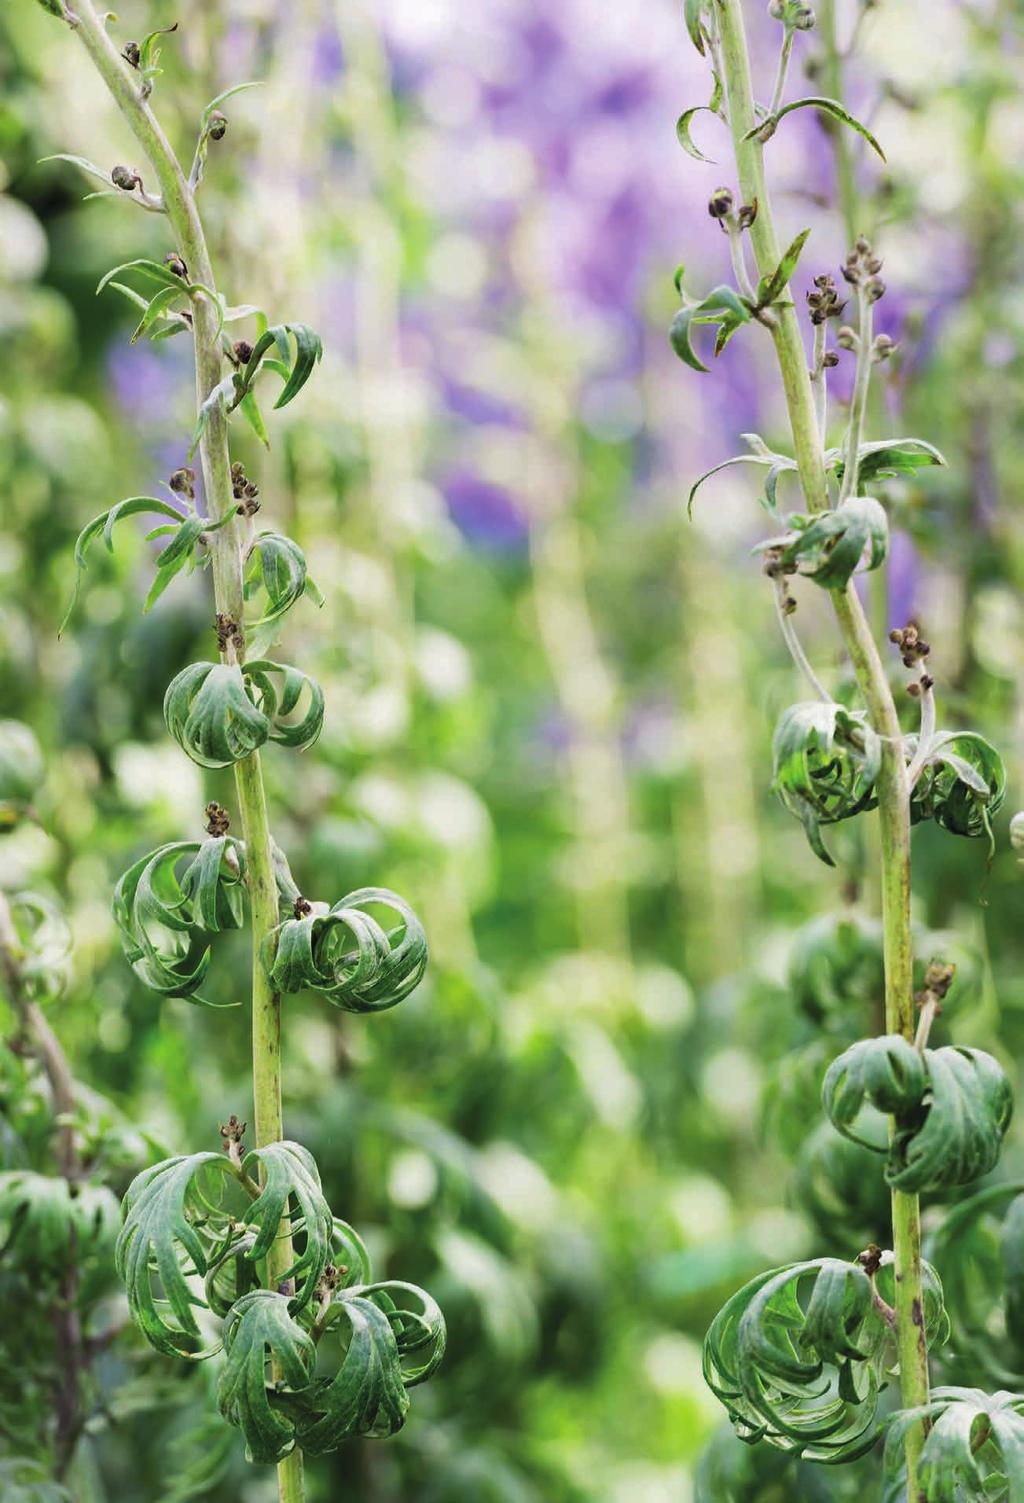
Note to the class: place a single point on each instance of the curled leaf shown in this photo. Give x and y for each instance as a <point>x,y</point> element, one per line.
<point>825,760</point>
<point>722,306</point>
<point>828,546</point>
<point>973,1449</point>
<point>962,784</point>
<point>259,1331</point>
<point>165,910</point>
<point>951,1108</point>
<point>291,1179</point>
<point>766,128</point>
<point>979,1251</point>
<point>347,955</point>
<point>221,712</point>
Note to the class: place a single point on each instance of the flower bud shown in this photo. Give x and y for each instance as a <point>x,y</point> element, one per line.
<point>830,360</point>
<point>183,482</point>
<point>242,351</point>
<point>777,10</point>
<point>747,215</point>
<point>132,53</point>
<point>847,338</point>
<point>720,203</point>
<point>125,178</point>
<point>217,126</point>
<point>874,288</point>
<point>174,263</point>
<point>883,347</point>
<point>803,18</point>
<point>1017,830</point>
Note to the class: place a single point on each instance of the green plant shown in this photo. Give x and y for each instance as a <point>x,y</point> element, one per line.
<point>801,1355</point>
<point>240,1249</point>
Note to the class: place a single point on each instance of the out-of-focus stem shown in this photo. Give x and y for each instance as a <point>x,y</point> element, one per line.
<point>892,788</point>
<point>859,404</point>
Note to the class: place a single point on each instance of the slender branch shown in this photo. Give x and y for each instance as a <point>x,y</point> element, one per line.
<point>820,378</point>
<point>925,736</point>
<point>892,786</point>
<point>739,259</point>
<point>227,552</point>
<point>782,71</point>
<point>793,642</point>
<point>859,403</point>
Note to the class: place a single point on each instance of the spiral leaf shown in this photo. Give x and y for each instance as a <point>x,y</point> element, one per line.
<point>163,918</point>
<point>952,1107</point>
<point>43,1224</point>
<point>387,1349</point>
<point>276,700</point>
<point>962,785</point>
<point>825,761</point>
<point>346,955</point>
<point>171,1231</point>
<point>211,717</point>
<point>974,1447</point>
<point>835,968</point>
<point>290,1172</point>
<point>260,1330</point>
<point>277,566</point>
<point>797,1356</point>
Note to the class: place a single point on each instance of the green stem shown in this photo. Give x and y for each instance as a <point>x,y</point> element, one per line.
<point>892,787</point>
<point>227,547</point>
<point>832,85</point>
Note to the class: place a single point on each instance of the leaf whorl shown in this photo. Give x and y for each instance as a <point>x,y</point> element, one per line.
<point>825,760</point>
<point>798,1355</point>
<point>952,1107</point>
<point>973,1449</point>
<point>348,956</point>
<point>829,546</point>
<point>164,917</point>
<point>290,1174</point>
<point>219,713</point>
<point>962,785</point>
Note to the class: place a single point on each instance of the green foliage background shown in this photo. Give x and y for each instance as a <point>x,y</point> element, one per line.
<point>598,1115</point>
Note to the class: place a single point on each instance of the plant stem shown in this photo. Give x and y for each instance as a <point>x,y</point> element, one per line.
<point>227,548</point>
<point>832,85</point>
<point>785,53</point>
<point>794,644</point>
<point>859,403</point>
<point>892,787</point>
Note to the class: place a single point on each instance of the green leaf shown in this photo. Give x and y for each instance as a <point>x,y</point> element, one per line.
<point>308,353</point>
<point>153,270</point>
<point>722,305</point>
<point>774,286</point>
<point>90,168</point>
<point>386,1349</point>
<point>765,129</point>
<point>828,546</point>
<point>276,567</point>
<point>962,785</point>
<point>884,458</point>
<point>170,1230</point>
<point>346,955</point>
<point>777,464</point>
<point>973,1449</point>
<point>219,99</point>
<point>217,398</point>
<point>44,1224</point>
<point>250,410</point>
<point>290,1174</point>
<point>210,715</point>
<point>825,761</point>
<point>105,524</point>
<point>260,1330</point>
<point>683,125</point>
<point>159,306</point>
<point>693,10</point>
<point>220,712</point>
<point>979,1252</point>
<point>164,911</point>
<point>149,50</point>
<point>951,1108</point>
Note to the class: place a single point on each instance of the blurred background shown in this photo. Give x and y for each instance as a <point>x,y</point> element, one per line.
<point>550,696</point>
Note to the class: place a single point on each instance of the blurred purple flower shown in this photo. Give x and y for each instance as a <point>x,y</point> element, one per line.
<point>485,513</point>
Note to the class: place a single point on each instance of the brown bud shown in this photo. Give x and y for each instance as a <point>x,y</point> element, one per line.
<point>720,203</point>
<point>125,178</point>
<point>217,125</point>
<point>131,53</point>
<point>175,263</point>
<point>883,347</point>
<point>830,360</point>
<point>874,288</point>
<point>847,338</point>
<point>242,351</point>
<point>217,821</point>
<point>302,907</point>
<point>183,482</point>
<point>747,215</point>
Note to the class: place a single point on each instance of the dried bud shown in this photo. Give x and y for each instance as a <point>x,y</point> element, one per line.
<point>174,263</point>
<point>132,53</point>
<point>847,338</point>
<point>242,351</point>
<point>938,978</point>
<point>830,360</point>
<point>851,273</point>
<point>862,246</point>
<point>720,204</point>
<point>302,907</point>
<point>873,264</point>
<point>870,1259</point>
<point>874,288</point>
<point>183,483</point>
<point>883,347</point>
<point>914,690</point>
<point>747,214</point>
<point>217,821</point>
<point>217,125</point>
<point>126,179</point>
